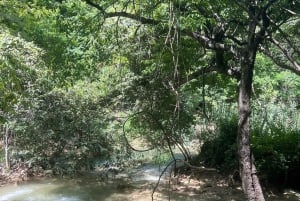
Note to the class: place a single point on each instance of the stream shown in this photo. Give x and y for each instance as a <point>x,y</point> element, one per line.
<point>137,185</point>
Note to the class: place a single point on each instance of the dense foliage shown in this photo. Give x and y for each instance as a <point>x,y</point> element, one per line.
<point>276,153</point>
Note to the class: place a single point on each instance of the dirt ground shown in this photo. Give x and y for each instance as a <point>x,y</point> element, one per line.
<point>16,174</point>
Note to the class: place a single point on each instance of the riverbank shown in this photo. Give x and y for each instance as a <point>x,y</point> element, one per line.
<point>16,174</point>
<point>19,173</point>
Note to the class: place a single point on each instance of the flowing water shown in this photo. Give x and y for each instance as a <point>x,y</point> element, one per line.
<point>134,186</point>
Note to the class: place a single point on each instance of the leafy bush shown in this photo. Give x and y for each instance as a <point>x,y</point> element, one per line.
<point>277,155</point>
<point>64,130</point>
<point>221,151</point>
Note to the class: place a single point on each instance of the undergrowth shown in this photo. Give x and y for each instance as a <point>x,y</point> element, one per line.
<point>276,153</point>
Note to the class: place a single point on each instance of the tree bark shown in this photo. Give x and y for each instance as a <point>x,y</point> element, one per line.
<point>6,146</point>
<point>250,181</point>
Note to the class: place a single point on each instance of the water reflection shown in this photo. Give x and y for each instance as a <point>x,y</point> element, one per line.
<point>42,190</point>
<point>67,190</point>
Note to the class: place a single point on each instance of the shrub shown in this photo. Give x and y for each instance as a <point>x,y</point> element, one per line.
<point>277,154</point>
<point>221,150</point>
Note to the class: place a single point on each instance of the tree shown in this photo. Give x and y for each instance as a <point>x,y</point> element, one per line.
<point>71,50</point>
<point>20,66</point>
<point>231,33</point>
<point>44,88</point>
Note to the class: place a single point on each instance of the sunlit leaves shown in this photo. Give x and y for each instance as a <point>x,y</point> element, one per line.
<point>20,66</point>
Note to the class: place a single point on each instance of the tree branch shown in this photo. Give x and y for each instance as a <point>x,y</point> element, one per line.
<point>98,7</point>
<point>285,52</point>
<point>132,16</point>
<point>234,72</point>
<point>135,17</point>
<point>207,42</point>
<point>211,44</point>
<point>293,68</point>
<point>284,36</point>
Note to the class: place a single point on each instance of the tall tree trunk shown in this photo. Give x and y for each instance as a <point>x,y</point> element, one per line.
<point>250,181</point>
<point>6,145</point>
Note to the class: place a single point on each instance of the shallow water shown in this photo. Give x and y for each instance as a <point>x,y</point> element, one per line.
<point>88,189</point>
<point>59,190</point>
<point>134,186</point>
